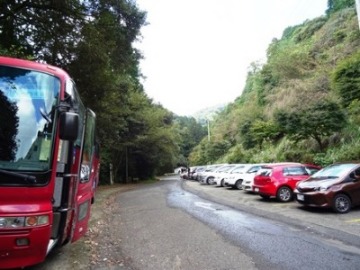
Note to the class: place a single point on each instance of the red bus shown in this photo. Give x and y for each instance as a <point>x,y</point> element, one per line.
<point>49,162</point>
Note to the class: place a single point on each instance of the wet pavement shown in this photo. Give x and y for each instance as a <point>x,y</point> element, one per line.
<point>316,220</point>
<point>280,244</point>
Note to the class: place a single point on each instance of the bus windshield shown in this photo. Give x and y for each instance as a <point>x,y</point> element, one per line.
<point>27,106</point>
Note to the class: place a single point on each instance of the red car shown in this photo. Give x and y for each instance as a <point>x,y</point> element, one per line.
<point>279,180</point>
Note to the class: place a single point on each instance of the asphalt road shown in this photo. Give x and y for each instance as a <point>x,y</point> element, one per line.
<point>345,227</point>
<point>177,224</point>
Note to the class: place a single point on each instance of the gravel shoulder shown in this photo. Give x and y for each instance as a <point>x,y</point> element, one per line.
<point>86,253</point>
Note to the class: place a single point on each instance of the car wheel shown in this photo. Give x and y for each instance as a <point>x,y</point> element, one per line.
<point>210,180</point>
<point>341,203</point>
<point>222,183</point>
<point>284,194</point>
<point>238,184</point>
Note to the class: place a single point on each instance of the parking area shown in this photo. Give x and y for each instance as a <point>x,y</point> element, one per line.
<point>313,219</point>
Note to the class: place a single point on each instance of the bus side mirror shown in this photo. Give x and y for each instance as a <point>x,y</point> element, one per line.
<point>69,126</point>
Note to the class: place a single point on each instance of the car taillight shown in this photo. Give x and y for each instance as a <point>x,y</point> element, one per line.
<point>267,179</point>
<point>262,179</point>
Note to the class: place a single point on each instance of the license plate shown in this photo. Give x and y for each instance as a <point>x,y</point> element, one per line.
<point>300,197</point>
<point>256,189</point>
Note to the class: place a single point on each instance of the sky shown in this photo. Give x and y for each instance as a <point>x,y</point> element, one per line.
<point>197,52</point>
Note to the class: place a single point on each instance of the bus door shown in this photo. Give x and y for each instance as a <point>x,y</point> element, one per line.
<point>85,190</point>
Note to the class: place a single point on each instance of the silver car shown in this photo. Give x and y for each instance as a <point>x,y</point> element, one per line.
<point>244,177</point>
<point>208,176</point>
<point>225,173</point>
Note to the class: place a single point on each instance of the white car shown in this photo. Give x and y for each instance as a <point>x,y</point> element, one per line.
<point>244,177</point>
<point>248,180</point>
<point>196,172</point>
<point>208,176</point>
<point>226,172</point>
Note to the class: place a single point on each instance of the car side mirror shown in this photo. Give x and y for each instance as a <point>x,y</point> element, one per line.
<point>69,126</point>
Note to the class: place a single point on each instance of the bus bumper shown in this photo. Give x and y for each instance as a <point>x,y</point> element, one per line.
<point>23,247</point>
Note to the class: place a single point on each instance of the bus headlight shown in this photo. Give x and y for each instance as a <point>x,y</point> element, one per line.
<point>11,222</point>
<point>21,222</point>
<point>37,220</point>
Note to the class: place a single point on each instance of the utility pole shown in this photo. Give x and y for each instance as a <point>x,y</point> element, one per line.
<point>127,165</point>
<point>357,2</point>
<point>208,122</point>
<point>111,174</point>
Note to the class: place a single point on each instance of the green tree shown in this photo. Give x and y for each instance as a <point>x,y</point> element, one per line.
<point>346,79</point>
<point>317,121</point>
<point>44,30</point>
<point>263,131</point>
<point>335,5</point>
<point>190,134</point>
<point>248,140</point>
<point>93,40</point>
<point>9,128</point>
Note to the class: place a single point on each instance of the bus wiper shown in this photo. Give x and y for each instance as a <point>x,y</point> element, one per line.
<point>45,115</point>
<point>27,178</point>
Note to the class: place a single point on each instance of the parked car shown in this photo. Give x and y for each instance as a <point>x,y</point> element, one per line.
<point>245,173</point>
<point>180,170</point>
<point>196,171</point>
<point>279,180</point>
<point>312,168</point>
<point>248,177</point>
<point>190,172</point>
<point>208,176</point>
<point>336,186</point>
<point>184,174</point>
<point>225,171</point>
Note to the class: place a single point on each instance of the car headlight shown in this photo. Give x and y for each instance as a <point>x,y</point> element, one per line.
<point>320,188</point>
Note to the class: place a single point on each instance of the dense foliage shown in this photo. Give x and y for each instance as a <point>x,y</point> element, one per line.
<point>302,104</point>
<point>93,40</point>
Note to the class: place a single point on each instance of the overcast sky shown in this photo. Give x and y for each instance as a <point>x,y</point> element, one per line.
<point>197,52</point>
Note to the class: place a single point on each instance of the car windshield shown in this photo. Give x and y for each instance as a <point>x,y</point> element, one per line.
<point>238,169</point>
<point>295,171</point>
<point>334,171</point>
<point>226,168</point>
<point>264,171</point>
<point>254,169</point>
<point>27,107</point>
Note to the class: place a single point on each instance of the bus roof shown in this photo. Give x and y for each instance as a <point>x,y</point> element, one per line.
<point>26,64</point>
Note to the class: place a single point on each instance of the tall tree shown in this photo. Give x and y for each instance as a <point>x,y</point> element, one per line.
<point>346,79</point>
<point>9,128</point>
<point>317,121</point>
<point>45,30</point>
<point>335,5</point>
<point>191,133</point>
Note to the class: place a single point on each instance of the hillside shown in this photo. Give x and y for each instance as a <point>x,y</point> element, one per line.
<point>209,113</point>
<point>302,104</point>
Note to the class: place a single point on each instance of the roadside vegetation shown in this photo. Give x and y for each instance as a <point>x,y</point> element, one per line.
<point>301,105</point>
<point>94,42</point>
